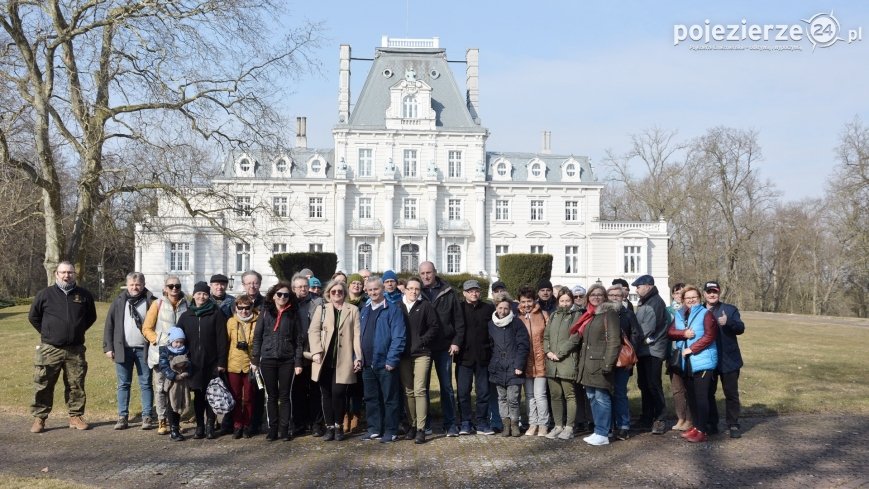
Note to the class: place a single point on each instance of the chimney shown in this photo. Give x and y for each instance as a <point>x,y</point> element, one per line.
<point>547,149</point>
<point>344,85</point>
<point>472,57</point>
<point>301,132</point>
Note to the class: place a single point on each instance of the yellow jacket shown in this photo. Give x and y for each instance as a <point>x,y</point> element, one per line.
<point>238,361</point>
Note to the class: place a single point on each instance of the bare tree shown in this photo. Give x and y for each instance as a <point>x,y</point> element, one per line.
<point>110,78</point>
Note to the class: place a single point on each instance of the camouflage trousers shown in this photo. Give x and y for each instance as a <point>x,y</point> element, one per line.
<point>49,363</point>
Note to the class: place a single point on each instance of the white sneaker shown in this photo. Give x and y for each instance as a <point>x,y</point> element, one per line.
<point>596,440</point>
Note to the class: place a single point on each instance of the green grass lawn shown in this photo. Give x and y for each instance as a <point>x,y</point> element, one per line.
<point>794,364</point>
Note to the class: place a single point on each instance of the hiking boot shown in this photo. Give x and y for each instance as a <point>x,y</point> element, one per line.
<point>658,427</point>
<point>147,423</point>
<point>514,429</point>
<point>162,427</point>
<point>318,431</point>
<point>38,425</point>
<point>506,431</point>
<point>122,424</point>
<point>329,435</point>
<point>411,434</point>
<point>76,422</point>
<point>556,431</point>
<point>420,437</point>
<point>199,433</point>
<point>734,432</point>
<point>236,434</point>
<point>339,433</point>
<point>622,434</point>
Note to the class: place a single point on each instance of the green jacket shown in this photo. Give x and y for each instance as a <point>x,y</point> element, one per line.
<point>557,339</point>
<point>601,342</point>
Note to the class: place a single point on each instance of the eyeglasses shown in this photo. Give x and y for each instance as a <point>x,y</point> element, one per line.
<point>614,296</point>
<point>242,308</point>
<point>597,295</point>
<point>336,292</point>
<point>173,286</point>
<point>282,295</point>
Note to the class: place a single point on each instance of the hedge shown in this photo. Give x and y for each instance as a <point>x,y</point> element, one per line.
<point>286,265</point>
<point>518,269</point>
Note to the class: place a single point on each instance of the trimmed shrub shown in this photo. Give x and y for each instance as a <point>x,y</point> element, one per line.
<point>286,265</point>
<point>518,269</point>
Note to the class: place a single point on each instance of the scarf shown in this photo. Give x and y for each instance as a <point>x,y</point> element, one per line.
<point>580,324</point>
<point>243,319</point>
<point>504,321</point>
<point>278,320</point>
<point>201,310</point>
<point>133,305</point>
<point>178,351</point>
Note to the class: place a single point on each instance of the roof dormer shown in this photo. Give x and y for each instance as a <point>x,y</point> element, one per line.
<point>410,103</point>
<point>316,167</point>
<point>502,170</point>
<point>571,171</point>
<point>245,166</point>
<point>536,170</point>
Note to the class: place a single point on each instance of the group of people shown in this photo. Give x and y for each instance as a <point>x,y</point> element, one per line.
<point>310,356</point>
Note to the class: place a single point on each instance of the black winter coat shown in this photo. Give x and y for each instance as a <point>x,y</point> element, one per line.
<point>287,343</point>
<point>449,310</point>
<point>729,355</point>
<point>422,328</point>
<point>474,346</point>
<point>510,346</point>
<point>60,318</point>
<point>206,344</point>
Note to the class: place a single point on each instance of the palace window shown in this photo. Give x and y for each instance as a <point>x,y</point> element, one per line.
<point>410,258</point>
<point>536,249</point>
<point>502,210</point>
<point>571,259</point>
<point>364,208</point>
<point>571,211</point>
<point>454,259</point>
<point>242,257</point>
<point>409,107</point>
<point>454,209</point>
<point>365,162</point>
<point>281,206</point>
<point>410,208</point>
<point>315,207</point>
<point>243,206</point>
<point>536,210</point>
<point>179,257</point>
<point>455,164</point>
<point>633,259</point>
<point>364,256</point>
<point>410,163</point>
<point>315,247</point>
<point>500,250</point>
<point>279,248</point>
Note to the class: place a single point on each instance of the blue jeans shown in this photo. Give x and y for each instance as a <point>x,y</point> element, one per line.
<point>381,400</point>
<point>479,376</point>
<point>134,357</point>
<point>443,364</point>
<point>621,408</point>
<point>601,409</point>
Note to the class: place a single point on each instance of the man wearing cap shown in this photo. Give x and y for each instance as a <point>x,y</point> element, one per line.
<point>224,301</point>
<point>472,361</point>
<point>390,287</point>
<point>730,325</point>
<point>579,298</point>
<point>315,287</point>
<point>651,352</point>
<point>446,303</point>
<point>545,297</point>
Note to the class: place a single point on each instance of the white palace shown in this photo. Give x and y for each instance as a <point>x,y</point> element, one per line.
<point>409,178</point>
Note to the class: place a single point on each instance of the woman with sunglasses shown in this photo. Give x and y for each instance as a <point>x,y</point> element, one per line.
<point>336,350</point>
<point>204,327</point>
<point>278,342</point>
<point>693,333</point>
<point>239,331</point>
<point>162,316</point>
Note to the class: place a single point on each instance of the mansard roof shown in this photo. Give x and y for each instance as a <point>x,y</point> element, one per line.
<point>430,66</point>
<point>263,164</point>
<point>520,161</point>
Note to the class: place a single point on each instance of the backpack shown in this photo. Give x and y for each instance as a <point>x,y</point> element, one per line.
<point>219,397</point>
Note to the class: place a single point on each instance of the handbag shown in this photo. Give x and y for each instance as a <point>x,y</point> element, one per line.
<point>627,354</point>
<point>219,397</point>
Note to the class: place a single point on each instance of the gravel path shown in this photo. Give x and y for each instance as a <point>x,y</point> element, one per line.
<point>787,451</point>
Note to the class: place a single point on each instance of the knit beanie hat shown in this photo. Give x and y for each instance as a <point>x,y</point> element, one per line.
<point>355,278</point>
<point>544,284</point>
<point>176,333</point>
<point>201,287</point>
<point>389,275</point>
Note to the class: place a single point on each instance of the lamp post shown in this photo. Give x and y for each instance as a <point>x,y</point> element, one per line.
<point>231,283</point>
<point>100,270</point>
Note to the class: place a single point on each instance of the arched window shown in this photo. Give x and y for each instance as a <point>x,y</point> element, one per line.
<point>454,259</point>
<point>536,169</point>
<point>409,107</point>
<point>410,258</point>
<point>570,170</point>
<point>364,256</point>
<point>502,169</point>
<point>316,166</point>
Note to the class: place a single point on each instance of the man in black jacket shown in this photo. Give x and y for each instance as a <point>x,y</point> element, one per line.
<point>729,358</point>
<point>653,318</point>
<point>61,313</point>
<point>446,303</point>
<point>472,361</point>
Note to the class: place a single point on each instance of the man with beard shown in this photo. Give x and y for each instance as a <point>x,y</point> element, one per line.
<point>61,313</point>
<point>124,343</point>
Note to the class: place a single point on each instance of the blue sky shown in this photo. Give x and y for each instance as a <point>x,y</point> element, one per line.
<point>594,73</point>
